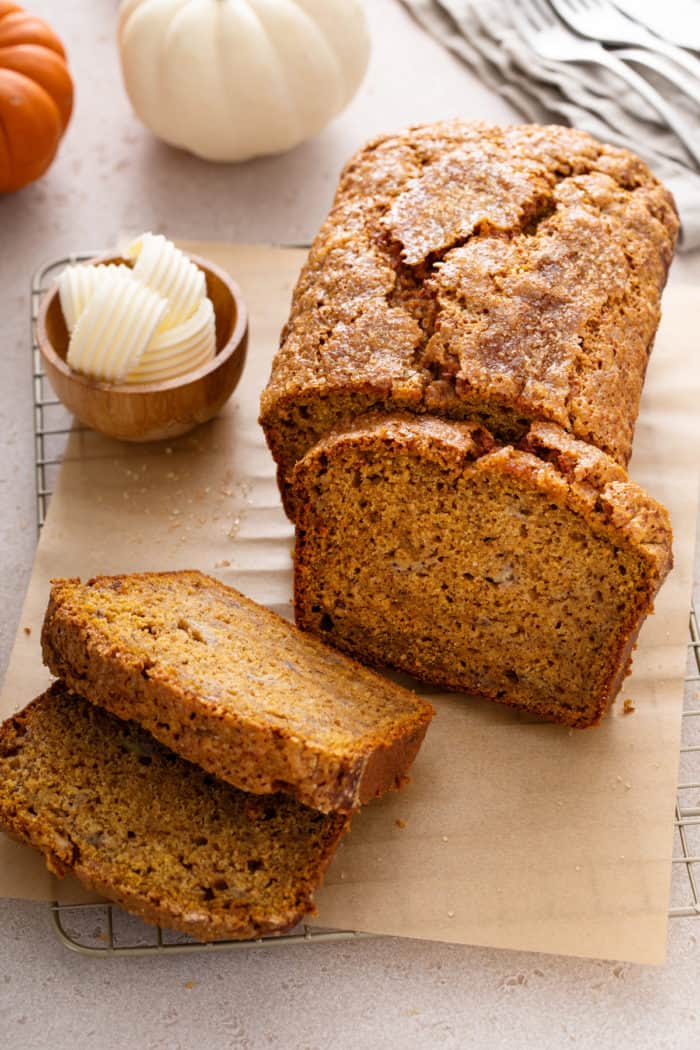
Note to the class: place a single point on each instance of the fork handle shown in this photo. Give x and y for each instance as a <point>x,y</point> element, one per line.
<point>677,55</point>
<point>648,58</point>
<point>667,112</point>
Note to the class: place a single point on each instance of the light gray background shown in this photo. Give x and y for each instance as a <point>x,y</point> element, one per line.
<point>111,176</point>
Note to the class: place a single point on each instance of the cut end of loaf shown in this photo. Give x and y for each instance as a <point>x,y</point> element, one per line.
<point>518,573</point>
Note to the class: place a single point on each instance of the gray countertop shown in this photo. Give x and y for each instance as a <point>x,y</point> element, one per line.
<point>112,176</point>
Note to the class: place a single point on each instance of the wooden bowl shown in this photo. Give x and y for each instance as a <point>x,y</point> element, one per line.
<point>150,411</point>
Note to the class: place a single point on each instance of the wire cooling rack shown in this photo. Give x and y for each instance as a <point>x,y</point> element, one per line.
<point>105,929</point>
<point>100,928</point>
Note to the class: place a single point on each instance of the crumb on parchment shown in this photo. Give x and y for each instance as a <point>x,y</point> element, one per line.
<point>628,707</point>
<point>27,630</point>
<point>400,823</point>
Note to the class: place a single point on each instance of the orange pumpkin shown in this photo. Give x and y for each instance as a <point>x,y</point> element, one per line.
<point>36,96</point>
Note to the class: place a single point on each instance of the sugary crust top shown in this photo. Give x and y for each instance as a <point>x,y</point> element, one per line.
<point>467,263</point>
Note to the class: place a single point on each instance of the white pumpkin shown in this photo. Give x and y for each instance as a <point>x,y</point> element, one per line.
<point>234,79</point>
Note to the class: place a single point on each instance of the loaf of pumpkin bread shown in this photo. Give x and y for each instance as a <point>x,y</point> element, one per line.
<point>520,573</point>
<point>503,274</point>
<point>233,687</point>
<point>102,799</point>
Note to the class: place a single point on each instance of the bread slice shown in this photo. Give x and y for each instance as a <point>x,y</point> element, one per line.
<point>519,573</point>
<point>101,798</point>
<point>231,686</point>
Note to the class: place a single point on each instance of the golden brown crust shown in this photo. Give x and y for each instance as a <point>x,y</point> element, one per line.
<point>601,490</point>
<point>513,274</point>
<point>570,474</point>
<point>303,728</point>
<point>160,873</point>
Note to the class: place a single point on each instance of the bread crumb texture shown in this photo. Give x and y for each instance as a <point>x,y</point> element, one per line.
<point>101,798</point>
<point>230,685</point>
<point>521,573</point>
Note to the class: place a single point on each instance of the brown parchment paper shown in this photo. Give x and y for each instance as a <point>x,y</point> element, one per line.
<point>511,834</point>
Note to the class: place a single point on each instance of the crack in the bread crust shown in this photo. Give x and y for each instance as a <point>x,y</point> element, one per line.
<point>415,291</point>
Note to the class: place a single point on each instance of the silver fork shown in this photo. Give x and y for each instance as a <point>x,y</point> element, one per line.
<point>546,35</point>
<point>689,87</point>
<point>675,20</point>
<point>599,20</point>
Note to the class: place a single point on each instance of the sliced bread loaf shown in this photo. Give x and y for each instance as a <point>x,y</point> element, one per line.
<point>100,797</point>
<point>469,271</point>
<point>231,686</point>
<point>519,573</point>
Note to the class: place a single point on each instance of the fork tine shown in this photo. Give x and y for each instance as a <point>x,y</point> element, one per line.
<point>542,12</point>
<point>524,17</point>
<point>549,15</point>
